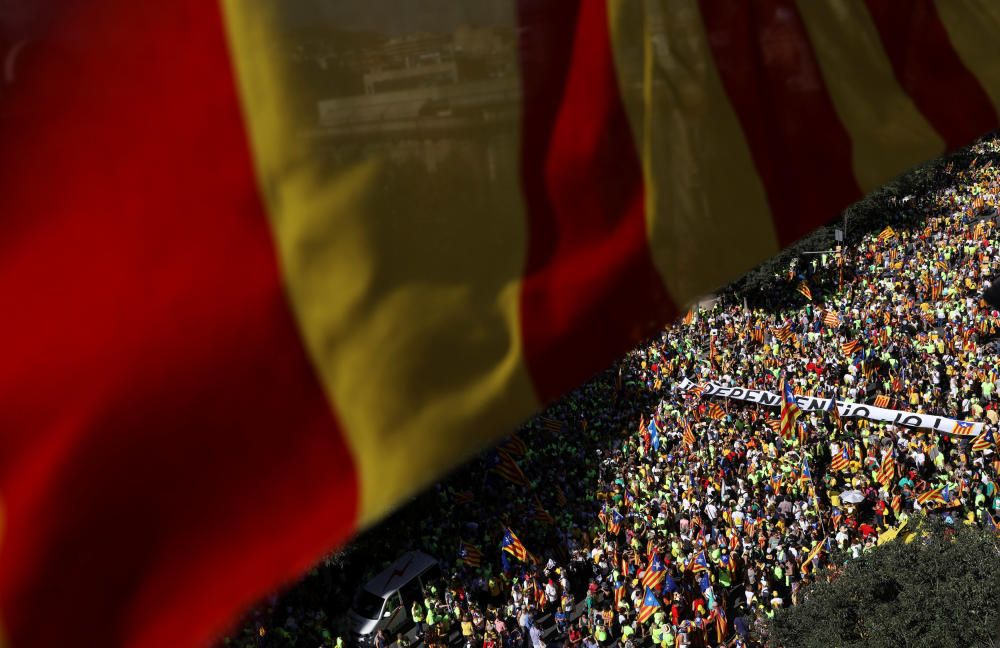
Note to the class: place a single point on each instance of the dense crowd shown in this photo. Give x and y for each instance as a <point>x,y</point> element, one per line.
<point>652,515</point>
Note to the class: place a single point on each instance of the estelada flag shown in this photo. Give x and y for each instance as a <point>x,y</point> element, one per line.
<point>253,304</point>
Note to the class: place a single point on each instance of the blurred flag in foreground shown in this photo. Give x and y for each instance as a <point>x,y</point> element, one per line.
<point>271,268</point>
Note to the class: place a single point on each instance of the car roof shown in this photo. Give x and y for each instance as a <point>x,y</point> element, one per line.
<point>399,573</point>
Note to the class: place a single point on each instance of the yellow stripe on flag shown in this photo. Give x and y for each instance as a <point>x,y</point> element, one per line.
<point>888,133</point>
<point>402,256</point>
<point>706,209</point>
<point>972,27</point>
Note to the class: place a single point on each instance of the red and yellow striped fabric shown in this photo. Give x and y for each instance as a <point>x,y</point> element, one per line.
<point>259,290</point>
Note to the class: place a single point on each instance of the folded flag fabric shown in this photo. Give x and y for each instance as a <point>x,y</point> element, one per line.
<point>831,318</point>
<point>247,327</point>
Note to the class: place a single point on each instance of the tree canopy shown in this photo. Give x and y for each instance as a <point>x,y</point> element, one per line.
<point>936,586</point>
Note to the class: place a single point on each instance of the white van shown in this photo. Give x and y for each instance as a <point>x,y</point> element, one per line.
<point>385,601</point>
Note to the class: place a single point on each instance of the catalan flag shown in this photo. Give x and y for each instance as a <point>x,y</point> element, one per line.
<point>505,466</point>
<point>803,289</point>
<point>615,522</point>
<point>841,460</point>
<point>774,424</point>
<point>561,496</point>
<point>985,441</point>
<point>541,515</point>
<point>932,496</point>
<point>551,424</point>
<point>881,401</point>
<point>886,472</point>
<point>789,410</point>
<point>834,410</point>
<point>463,497</point>
<point>963,428</point>
<point>181,236</point>
<point>850,348</point>
<point>688,437</point>
<point>715,411</point>
<point>649,605</point>
<point>513,546</point>
<point>721,624</point>
<point>813,553</point>
<point>619,593</point>
<point>886,234</point>
<point>806,474</point>
<point>831,318</point>
<point>936,289</point>
<point>783,332</point>
<point>655,573</point>
<point>896,504</point>
<point>470,555</point>
<point>699,563</point>
<point>514,446</point>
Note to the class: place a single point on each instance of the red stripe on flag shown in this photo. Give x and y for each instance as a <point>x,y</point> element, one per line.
<point>591,289</point>
<point>931,72</point>
<point>167,454</point>
<point>800,148</point>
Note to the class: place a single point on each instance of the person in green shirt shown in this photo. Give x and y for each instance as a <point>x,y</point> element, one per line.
<point>417,614</point>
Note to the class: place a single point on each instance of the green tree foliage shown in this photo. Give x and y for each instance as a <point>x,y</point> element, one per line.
<point>937,590</point>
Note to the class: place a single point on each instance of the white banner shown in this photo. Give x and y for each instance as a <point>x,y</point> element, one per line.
<point>854,410</point>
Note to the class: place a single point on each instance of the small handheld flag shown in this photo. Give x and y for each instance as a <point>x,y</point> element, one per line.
<point>803,289</point>
<point>841,460</point>
<point>655,573</point>
<point>649,605</point>
<point>513,546</point>
<point>789,410</point>
<point>470,554</point>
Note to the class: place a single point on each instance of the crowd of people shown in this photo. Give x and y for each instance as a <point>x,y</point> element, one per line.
<point>637,513</point>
